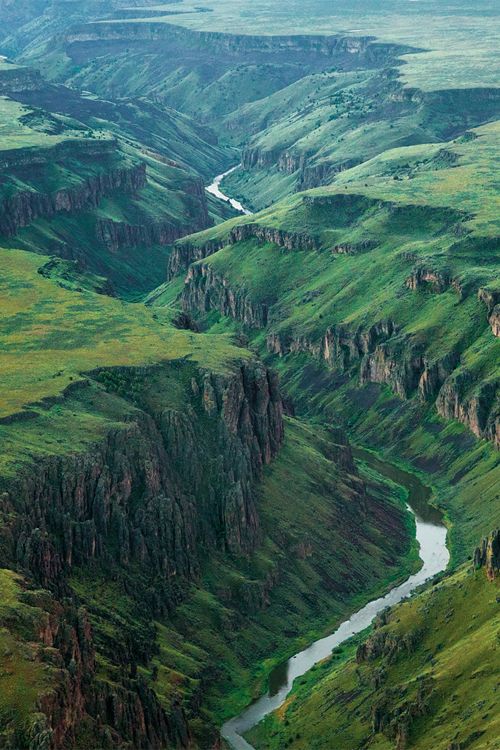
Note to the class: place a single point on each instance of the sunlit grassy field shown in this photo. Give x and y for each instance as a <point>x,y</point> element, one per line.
<point>49,335</point>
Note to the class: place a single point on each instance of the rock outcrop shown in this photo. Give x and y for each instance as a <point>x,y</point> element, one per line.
<point>491,298</point>
<point>487,555</point>
<point>341,347</point>
<point>388,645</point>
<point>420,277</point>
<point>494,321</point>
<point>395,718</point>
<point>310,49</point>
<point>116,234</point>
<point>478,407</point>
<point>185,253</point>
<point>205,290</point>
<point>308,175</point>
<point>15,79</point>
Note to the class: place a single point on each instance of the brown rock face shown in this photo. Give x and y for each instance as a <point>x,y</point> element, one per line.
<point>494,321</point>
<point>420,277</point>
<point>478,410</point>
<point>491,298</point>
<point>186,253</point>
<point>487,555</point>
<point>206,290</point>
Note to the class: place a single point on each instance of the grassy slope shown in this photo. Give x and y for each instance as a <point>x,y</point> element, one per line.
<point>332,120</point>
<point>51,335</point>
<point>24,677</point>
<point>319,289</point>
<point>454,628</point>
<point>177,153</point>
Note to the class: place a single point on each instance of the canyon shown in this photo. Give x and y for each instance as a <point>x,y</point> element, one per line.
<point>224,388</point>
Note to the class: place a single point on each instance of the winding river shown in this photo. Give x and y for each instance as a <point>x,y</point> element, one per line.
<point>214,189</point>
<point>431,536</point>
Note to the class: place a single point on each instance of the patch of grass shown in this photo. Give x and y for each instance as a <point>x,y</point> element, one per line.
<point>23,676</point>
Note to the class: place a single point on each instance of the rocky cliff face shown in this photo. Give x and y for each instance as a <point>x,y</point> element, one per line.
<point>153,498</point>
<point>309,175</point>
<point>77,508</point>
<point>81,148</point>
<point>487,555</point>
<point>205,290</point>
<point>16,79</point>
<point>25,207</point>
<point>494,321</point>
<point>115,235</point>
<point>354,51</point>
<point>479,410</point>
<point>491,299</point>
<point>380,353</point>
<point>186,253</point>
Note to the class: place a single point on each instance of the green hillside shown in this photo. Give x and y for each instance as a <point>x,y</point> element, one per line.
<point>108,186</point>
<point>375,299</point>
<point>426,677</point>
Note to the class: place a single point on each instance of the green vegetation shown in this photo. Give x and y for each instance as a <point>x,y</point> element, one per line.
<point>222,641</point>
<point>51,336</point>
<point>73,180</point>
<point>372,235</point>
<point>431,680</point>
<point>226,635</point>
<point>136,480</point>
<point>23,676</point>
<point>448,34</point>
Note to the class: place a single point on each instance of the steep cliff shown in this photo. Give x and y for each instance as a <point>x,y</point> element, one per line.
<point>380,353</point>
<point>149,501</point>
<point>378,284</point>
<point>185,253</point>
<point>487,555</point>
<point>23,208</point>
<point>205,290</point>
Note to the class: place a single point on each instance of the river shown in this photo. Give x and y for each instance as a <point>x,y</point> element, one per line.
<point>431,536</point>
<point>214,189</point>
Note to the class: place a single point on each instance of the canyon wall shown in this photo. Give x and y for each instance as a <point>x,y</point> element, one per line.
<point>24,207</point>
<point>380,353</point>
<point>149,501</point>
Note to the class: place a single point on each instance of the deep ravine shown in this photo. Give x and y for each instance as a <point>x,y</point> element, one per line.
<point>431,536</point>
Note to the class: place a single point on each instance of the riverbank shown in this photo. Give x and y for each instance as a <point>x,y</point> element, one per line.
<point>214,189</point>
<point>431,536</point>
